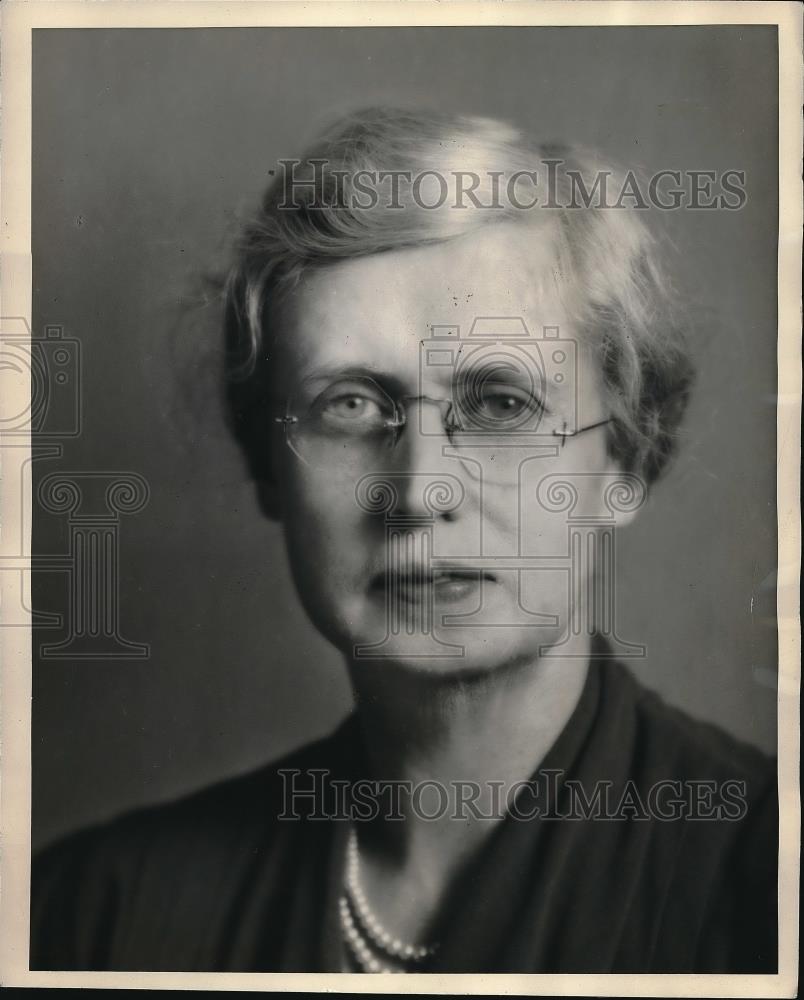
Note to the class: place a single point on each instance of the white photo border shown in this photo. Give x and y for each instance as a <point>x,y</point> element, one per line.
<point>19,19</point>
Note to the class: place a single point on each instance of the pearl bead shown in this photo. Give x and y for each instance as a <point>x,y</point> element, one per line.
<point>377,934</point>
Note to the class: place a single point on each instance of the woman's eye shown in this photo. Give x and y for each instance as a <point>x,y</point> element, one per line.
<point>504,404</point>
<point>354,407</point>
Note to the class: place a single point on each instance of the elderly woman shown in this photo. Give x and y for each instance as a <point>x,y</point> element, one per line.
<point>454,377</point>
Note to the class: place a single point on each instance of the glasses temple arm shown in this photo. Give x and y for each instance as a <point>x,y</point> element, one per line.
<point>564,433</point>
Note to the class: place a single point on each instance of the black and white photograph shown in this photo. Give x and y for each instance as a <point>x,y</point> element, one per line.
<point>399,529</point>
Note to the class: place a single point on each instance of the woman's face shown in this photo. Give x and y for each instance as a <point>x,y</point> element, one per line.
<point>486,578</point>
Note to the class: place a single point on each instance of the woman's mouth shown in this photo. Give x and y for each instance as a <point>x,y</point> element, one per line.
<point>441,585</point>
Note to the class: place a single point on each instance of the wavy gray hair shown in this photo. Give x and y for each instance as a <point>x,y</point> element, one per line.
<point>607,266</point>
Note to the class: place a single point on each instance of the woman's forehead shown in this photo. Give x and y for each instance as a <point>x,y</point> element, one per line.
<point>377,310</point>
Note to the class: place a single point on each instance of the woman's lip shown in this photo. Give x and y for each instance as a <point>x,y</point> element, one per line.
<point>436,585</point>
<point>439,575</point>
<point>431,577</point>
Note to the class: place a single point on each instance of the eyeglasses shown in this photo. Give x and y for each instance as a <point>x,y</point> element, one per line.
<point>350,426</point>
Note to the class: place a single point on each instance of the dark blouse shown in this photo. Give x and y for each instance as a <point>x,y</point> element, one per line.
<point>216,882</point>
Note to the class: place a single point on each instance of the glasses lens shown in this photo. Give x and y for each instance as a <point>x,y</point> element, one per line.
<point>499,418</point>
<point>498,410</point>
<point>342,425</point>
<point>498,390</point>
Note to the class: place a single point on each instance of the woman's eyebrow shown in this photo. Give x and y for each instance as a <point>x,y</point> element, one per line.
<point>335,371</point>
<point>338,371</point>
<point>497,372</point>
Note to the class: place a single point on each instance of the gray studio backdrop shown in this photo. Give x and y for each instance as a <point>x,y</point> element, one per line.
<point>147,146</point>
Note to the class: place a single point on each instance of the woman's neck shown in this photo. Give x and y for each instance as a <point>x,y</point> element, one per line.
<point>488,732</point>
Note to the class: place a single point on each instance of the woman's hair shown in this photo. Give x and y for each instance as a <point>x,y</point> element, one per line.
<point>323,208</point>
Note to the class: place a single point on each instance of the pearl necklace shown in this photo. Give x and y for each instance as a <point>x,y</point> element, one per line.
<point>367,931</point>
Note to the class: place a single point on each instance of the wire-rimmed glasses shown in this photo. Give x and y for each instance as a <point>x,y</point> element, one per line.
<point>350,425</point>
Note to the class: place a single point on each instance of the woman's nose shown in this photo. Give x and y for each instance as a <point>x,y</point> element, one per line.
<point>428,480</point>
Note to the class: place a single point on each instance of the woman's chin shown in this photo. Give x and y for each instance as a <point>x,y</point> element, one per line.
<point>448,646</point>
<point>460,653</point>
